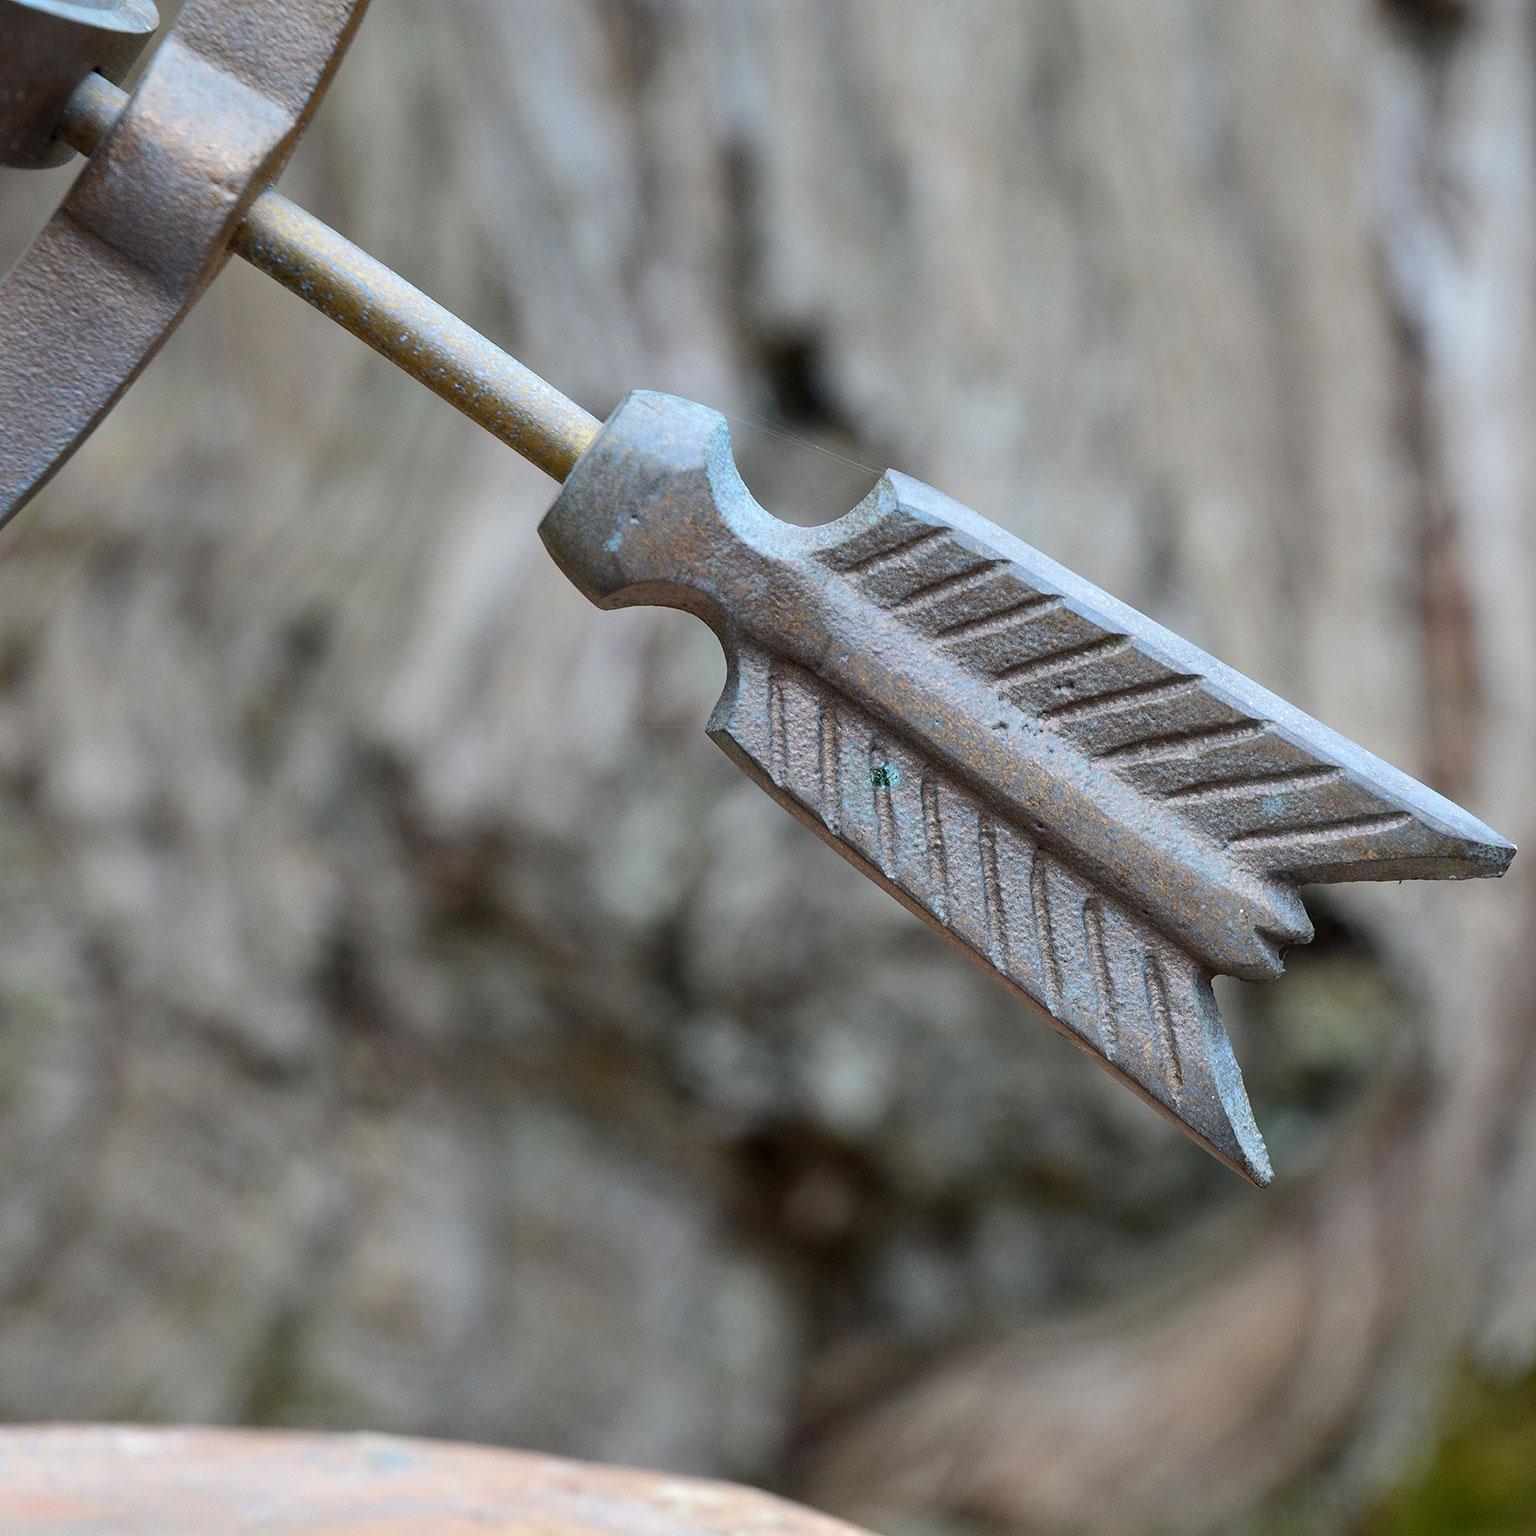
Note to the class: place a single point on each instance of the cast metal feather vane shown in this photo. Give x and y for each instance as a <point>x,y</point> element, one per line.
<point>1092,807</point>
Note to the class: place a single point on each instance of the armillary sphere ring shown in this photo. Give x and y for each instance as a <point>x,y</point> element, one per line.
<point>147,224</point>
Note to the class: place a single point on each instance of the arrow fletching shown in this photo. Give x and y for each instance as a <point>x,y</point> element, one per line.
<point>1090,806</point>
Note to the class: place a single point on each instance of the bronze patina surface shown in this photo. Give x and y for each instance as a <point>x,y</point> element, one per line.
<point>103,1481</point>
<point>1095,809</point>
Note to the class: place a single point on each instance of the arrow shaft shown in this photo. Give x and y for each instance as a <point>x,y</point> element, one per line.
<point>381,308</point>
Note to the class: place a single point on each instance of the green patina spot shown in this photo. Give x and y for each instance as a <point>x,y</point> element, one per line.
<point>884,776</point>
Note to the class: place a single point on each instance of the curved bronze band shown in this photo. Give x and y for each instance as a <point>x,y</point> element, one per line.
<point>147,225</point>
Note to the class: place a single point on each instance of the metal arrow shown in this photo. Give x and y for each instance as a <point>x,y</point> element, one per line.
<point>1100,813</point>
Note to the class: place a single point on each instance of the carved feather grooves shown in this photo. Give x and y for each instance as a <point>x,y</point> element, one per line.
<point>1114,984</point>
<point>1256,783</point>
<point>995,622</point>
<point>1256,789</point>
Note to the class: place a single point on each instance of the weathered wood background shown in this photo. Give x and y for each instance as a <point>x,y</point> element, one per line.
<point>409,1020</point>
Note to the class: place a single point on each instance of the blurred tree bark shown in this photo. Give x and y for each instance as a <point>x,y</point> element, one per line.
<point>409,1020</point>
